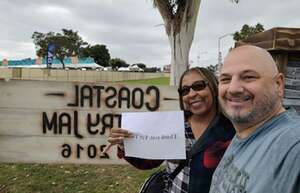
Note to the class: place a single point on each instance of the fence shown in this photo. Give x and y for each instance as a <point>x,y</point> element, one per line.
<point>74,75</point>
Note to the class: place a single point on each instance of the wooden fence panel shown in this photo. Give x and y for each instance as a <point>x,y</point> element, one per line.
<point>292,85</point>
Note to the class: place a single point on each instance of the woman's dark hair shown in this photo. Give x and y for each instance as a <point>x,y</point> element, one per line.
<point>212,84</point>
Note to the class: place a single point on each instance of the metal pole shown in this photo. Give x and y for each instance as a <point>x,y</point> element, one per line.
<point>219,49</point>
<point>219,52</point>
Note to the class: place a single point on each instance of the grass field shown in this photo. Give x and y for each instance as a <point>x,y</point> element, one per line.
<point>155,81</point>
<point>45,178</point>
<point>52,178</point>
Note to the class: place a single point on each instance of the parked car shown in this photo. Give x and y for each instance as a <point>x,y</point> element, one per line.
<point>135,69</point>
<point>124,69</point>
<point>107,68</point>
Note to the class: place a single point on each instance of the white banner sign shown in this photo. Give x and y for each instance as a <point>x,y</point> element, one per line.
<point>157,135</point>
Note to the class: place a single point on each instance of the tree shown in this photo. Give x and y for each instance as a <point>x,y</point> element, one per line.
<point>213,68</point>
<point>247,31</point>
<point>117,63</point>
<point>67,44</point>
<point>179,17</point>
<point>99,53</point>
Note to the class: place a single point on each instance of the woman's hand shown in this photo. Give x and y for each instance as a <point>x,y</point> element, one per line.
<point>116,137</point>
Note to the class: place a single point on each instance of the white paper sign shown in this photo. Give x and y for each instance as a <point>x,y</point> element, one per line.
<point>158,135</point>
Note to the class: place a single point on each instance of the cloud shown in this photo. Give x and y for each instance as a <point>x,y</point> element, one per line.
<point>131,28</point>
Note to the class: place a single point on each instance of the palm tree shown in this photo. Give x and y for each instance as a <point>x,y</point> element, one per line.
<point>180,18</point>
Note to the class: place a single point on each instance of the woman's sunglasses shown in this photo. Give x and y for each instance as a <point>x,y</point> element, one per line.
<point>196,86</point>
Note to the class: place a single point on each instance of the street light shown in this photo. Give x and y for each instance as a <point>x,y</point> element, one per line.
<point>198,57</point>
<point>219,49</point>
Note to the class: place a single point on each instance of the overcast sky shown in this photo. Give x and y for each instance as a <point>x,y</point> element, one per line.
<point>132,29</point>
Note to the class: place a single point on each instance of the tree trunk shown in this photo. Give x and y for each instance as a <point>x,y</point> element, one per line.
<point>180,30</point>
<point>62,62</point>
<point>180,48</point>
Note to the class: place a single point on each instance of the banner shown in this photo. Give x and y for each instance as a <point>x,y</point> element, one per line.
<point>50,54</point>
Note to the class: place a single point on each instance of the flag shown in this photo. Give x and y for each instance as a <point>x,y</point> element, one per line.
<point>50,54</point>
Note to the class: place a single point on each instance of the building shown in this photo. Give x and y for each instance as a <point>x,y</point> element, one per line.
<point>70,63</point>
<point>167,68</point>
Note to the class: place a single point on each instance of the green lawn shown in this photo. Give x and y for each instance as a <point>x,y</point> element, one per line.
<point>51,178</point>
<point>46,178</point>
<point>155,81</point>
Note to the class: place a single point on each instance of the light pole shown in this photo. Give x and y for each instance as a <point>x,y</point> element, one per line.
<point>219,49</point>
<point>198,57</point>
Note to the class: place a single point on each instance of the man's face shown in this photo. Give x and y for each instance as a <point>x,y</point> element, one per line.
<point>247,92</point>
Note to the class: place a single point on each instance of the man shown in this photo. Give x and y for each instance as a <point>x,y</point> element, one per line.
<point>264,156</point>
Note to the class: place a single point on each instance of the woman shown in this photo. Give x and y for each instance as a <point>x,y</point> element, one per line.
<point>205,127</point>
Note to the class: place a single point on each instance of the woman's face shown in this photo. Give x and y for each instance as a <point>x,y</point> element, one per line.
<point>198,102</point>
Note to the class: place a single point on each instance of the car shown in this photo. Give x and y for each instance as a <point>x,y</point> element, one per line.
<point>124,69</point>
<point>135,69</point>
<point>107,68</point>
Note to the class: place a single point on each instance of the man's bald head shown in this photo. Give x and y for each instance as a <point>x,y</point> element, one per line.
<point>257,57</point>
<point>250,88</point>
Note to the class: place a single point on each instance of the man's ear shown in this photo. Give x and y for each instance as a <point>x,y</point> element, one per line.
<point>280,84</point>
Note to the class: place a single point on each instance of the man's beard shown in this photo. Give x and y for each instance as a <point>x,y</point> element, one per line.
<point>259,110</point>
